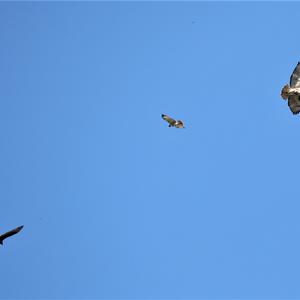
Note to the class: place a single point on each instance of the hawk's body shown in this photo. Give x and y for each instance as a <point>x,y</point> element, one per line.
<point>172,122</point>
<point>292,91</point>
<point>10,233</point>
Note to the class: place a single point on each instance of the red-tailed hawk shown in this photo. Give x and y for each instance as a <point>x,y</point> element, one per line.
<point>292,91</point>
<point>9,233</point>
<point>172,122</point>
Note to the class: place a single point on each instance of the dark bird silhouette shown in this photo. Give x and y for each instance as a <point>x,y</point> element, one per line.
<point>10,233</point>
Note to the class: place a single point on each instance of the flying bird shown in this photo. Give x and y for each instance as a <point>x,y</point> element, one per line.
<point>172,122</point>
<point>291,92</point>
<point>10,233</point>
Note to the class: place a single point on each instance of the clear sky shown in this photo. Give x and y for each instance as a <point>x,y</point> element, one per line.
<point>114,203</point>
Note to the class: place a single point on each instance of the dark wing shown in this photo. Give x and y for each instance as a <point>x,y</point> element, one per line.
<point>10,233</point>
<point>295,77</point>
<point>294,104</point>
<point>168,119</point>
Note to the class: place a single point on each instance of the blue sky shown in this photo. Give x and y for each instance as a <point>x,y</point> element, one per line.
<point>115,204</point>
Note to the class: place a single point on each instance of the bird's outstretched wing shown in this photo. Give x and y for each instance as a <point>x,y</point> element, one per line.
<point>171,121</point>
<point>294,104</point>
<point>10,233</point>
<point>295,77</point>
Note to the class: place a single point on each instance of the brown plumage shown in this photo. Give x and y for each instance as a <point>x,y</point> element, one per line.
<point>10,233</point>
<point>291,92</point>
<point>172,122</point>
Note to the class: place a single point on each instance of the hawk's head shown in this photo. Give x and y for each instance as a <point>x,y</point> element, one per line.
<point>179,124</point>
<point>285,92</point>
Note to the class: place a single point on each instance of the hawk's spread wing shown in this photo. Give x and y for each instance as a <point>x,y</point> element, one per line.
<point>10,233</point>
<point>294,104</point>
<point>295,77</point>
<point>168,119</point>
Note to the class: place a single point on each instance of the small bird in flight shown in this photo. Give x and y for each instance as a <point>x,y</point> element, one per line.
<point>172,122</point>
<point>10,233</point>
<point>292,92</point>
